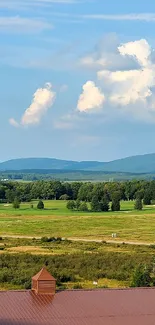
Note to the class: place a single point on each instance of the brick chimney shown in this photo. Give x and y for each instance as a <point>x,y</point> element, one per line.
<point>43,283</point>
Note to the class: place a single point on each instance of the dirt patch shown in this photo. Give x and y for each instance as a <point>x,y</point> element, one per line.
<point>28,249</point>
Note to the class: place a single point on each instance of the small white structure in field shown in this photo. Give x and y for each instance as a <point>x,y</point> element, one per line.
<point>114,235</point>
<point>95,283</point>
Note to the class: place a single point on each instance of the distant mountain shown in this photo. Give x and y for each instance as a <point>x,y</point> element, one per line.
<point>135,164</point>
<point>48,163</point>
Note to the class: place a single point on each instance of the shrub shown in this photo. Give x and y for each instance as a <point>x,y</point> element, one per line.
<point>71,205</point>
<point>77,286</point>
<point>83,207</point>
<point>16,204</point>
<point>141,277</point>
<point>138,204</point>
<point>40,205</point>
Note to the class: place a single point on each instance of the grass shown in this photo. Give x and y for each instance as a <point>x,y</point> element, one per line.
<point>56,220</point>
<point>31,251</point>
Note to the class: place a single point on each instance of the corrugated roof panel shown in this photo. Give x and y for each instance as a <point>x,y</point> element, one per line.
<point>79,307</point>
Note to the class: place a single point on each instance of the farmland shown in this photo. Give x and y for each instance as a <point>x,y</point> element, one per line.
<point>56,220</point>
<point>75,264</point>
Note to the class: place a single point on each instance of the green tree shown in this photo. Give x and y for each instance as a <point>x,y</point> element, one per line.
<point>64,197</point>
<point>115,206</point>
<point>83,206</point>
<point>105,204</point>
<point>95,204</point>
<point>40,205</point>
<point>71,205</point>
<point>78,202</point>
<point>10,195</point>
<point>16,204</point>
<point>141,277</point>
<point>147,197</point>
<point>138,204</point>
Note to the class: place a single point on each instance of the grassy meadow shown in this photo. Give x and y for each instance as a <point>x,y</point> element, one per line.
<point>56,220</point>
<point>73,264</point>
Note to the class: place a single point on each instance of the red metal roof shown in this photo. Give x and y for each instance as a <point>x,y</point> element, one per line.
<point>79,307</point>
<point>43,275</point>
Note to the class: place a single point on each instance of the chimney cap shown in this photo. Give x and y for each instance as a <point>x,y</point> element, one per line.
<point>43,275</point>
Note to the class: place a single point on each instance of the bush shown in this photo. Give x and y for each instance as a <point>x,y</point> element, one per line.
<point>138,204</point>
<point>40,205</point>
<point>141,277</point>
<point>77,286</point>
<point>16,204</point>
<point>71,205</point>
<point>83,207</point>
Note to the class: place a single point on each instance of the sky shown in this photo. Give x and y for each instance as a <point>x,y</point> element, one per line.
<point>77,79</point>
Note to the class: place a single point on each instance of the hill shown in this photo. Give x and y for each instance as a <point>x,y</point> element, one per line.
<point>48,163</point>
<point>135,164</point>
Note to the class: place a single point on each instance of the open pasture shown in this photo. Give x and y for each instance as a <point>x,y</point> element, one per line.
<point>56,220</point>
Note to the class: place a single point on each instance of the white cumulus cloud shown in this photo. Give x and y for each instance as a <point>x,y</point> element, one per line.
<point>133,85</point>
<point>128,87</point>
<point>126,77</point>
<point>140,50</point>
<point>42,100</point>
<point>91,97</point>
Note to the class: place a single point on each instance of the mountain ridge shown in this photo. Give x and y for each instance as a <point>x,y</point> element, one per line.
<point>134,164</point>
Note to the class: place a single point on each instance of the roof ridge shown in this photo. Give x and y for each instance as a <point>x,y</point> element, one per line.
<point>43,274</point>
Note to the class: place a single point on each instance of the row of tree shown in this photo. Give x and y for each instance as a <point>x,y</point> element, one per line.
<point>102,205</point>
<point>85,192</point>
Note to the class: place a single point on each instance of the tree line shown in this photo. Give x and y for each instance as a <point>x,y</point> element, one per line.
<point>77,193</point>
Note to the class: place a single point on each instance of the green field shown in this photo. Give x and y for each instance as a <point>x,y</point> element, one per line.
<point>56,220</point>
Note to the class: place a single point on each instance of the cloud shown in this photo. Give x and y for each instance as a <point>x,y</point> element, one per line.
<point>129,85</point>
<point>91,98</point>
<point>13,122</point>
<point>132,17</point>
<point>21,24</point>
<point>107,56</point>
<point>43,99</point>
<point>140,50</point>
<point>147,17</point>
<point>27,4</point>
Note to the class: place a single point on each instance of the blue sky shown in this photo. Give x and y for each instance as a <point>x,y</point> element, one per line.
<point>77,78</point>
